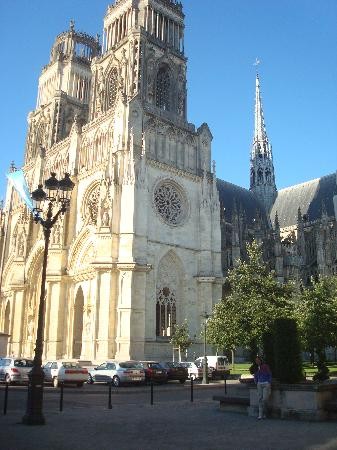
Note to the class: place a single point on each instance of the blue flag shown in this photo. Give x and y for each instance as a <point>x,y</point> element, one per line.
<point>19,183</point>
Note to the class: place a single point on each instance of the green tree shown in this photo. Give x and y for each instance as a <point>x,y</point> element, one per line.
<point>256,299</point>
<point>316,312</point>
<point>181,339</point>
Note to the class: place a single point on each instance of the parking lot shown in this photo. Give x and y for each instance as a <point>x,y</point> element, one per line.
<point>172,422</point>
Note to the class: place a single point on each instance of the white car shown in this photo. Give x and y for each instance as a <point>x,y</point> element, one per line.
<point>195,371</point>
<point>64,371</point>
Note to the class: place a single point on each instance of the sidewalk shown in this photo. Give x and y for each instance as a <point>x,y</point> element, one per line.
<point>163,426</point>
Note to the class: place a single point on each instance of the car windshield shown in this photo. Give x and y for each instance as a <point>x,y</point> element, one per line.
<point>130,365</point>
<point>172,365</point>
<point>222,361</point>
<point>23,363</point>
<point>70,364</point>
<point>154,365</point>
<point>186,364</point>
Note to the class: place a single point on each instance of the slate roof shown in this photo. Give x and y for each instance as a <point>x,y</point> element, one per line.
<point>309,196</point>
<point>229,194</point>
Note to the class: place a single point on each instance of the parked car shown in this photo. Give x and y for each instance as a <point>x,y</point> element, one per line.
<point>218,364</point>
<point>246,378</point>
<point>154,372</point>
<point>64,371</point>
<point>15,370</point>
<point>116,372</point>
<point>175,371</point>
<point>195,371</point>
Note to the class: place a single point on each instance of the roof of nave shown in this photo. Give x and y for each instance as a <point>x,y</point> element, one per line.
<point>311,197</point>
<point>232,196</point>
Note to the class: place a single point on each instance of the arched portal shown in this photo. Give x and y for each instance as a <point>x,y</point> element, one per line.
<point>78,324</point>
<point>7,318</point>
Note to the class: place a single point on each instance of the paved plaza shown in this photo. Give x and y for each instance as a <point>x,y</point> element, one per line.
<point>173,422</point>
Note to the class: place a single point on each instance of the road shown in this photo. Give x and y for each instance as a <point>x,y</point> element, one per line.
<point>97,395</point>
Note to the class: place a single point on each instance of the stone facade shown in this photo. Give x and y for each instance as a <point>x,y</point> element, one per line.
<point>139,250</point>
<point>151,231</point>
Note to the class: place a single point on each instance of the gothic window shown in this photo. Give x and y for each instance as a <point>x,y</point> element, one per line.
<point>170,203</point>
<point>268,176</point>
<point>163,88</point>
<point>165,312</point>
<point>260,176</point>
<point>112,87</point>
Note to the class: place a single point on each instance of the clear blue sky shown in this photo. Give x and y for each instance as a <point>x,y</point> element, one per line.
<point>295,40</point>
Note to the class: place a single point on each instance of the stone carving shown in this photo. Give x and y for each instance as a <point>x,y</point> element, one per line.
<point>30,328</point>
<point>56,238</point>
<point>21,245</point>
<point>90,212</point>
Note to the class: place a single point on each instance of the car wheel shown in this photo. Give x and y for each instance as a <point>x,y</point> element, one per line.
<point>8,379</point>
<point>182,381</point>
<point>79,384</point>
<point>55,382</point>
<point>90,379</point>
<point>116,381</point>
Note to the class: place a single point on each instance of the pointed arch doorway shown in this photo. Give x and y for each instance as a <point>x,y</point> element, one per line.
<point>78,323</point>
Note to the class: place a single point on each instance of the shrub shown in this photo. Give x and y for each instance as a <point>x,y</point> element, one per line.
<point>287,351</point>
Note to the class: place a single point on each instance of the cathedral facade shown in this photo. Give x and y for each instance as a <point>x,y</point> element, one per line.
<point>151,232</point>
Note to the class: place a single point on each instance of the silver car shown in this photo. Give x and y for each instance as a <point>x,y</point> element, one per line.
<point>15,370</point>
<point>117,372</point>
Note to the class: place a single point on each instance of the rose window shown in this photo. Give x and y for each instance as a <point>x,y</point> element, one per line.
<point>169,203</point>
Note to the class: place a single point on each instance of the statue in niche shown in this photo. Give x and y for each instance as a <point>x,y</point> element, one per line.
<point>21,246</point>
<point>88,319</point>
<point>105,216</point>
<point>57,234</point>
<point>30,328</point>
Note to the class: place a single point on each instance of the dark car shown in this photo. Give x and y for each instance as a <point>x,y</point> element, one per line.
<point>154,372</point>
<point>175,371</point>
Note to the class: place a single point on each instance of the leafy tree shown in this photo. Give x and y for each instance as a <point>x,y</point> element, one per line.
<point>316,312</point>
<point>181,339</point>
<point>256,299</point>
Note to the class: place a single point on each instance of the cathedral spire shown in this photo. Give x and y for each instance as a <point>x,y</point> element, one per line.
<point>262,176</point>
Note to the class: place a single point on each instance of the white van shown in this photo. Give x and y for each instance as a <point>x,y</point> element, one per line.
<point>218,364</point>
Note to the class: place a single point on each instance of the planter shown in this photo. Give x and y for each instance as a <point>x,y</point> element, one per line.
<point>296,401</point>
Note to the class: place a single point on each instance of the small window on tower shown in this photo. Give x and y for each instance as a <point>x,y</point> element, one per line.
<point>163,88</point>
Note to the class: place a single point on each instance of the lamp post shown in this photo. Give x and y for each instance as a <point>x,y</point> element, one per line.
<point>58,193</point>
<point>205,380</point>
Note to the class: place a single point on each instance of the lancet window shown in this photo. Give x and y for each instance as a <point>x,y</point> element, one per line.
<point>165,312</point>
<point>163,84</point>
<point>112,87</point>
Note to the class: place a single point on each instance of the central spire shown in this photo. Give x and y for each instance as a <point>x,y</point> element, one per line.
<point>262,177</point>
<point>261,142</point>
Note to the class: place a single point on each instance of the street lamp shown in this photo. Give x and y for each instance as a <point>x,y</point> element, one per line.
<point>205,380</point>
<point>58,193</point>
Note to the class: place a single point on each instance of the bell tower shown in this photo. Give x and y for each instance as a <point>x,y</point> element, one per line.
<point>63,91</point>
